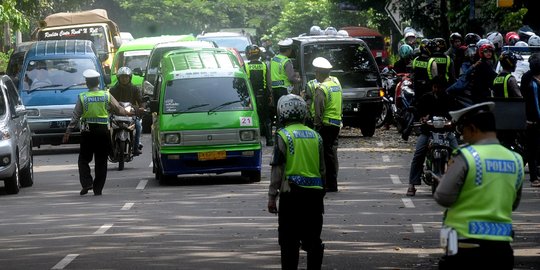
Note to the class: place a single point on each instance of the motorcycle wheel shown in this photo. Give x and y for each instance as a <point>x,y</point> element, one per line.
<point>439,169</point>
<point>121,148</point>
<point>384,116</point>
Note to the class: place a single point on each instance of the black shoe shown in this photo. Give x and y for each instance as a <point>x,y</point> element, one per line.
<point>97,193</point>
<point>137,152</point>
<point>85,190</point>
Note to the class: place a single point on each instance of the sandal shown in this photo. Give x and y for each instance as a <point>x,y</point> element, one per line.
<point>411,191</point>
<point>535,183</point>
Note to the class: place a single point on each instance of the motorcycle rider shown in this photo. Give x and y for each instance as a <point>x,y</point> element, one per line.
<point>404,64</point>
<point>257,71</point>
<point>480,189</point>
<point>483,74</point>
<point>445,65</point>
<point>505,84</point>
<point>424,68</point>
<point>125,91</point>
<point>435,103</point>
<point>511,38</point>
<point>298,178</point>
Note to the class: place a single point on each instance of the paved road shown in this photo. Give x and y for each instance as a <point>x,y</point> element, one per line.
<point>221,222</point>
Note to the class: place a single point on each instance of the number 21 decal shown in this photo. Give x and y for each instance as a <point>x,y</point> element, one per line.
<point>246,122</point>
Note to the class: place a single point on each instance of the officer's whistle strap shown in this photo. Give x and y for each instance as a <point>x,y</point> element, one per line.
<point>309,182</point>
<point>278,83</point>
<point>490,228</point>
<point>334,122</point>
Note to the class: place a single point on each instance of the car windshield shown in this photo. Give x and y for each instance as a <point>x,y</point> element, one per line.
<point>133,59</point>
<point>204,94</point>
<point>96,34</point>
<point>352,63</point>
<point>59,73</point>
<point>239,43</point>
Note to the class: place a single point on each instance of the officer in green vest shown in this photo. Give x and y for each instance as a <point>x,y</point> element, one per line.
<point>505,84</point>
<point>480,190</point>
<point>257,71</point>
<point>282,74</point>
<point>327,110</point>
<point>298,178</point>
<point>92,111</point>
<point>424,68</point>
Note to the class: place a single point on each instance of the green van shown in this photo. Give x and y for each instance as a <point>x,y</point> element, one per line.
<point>135,54</point>
<point>204,116</point>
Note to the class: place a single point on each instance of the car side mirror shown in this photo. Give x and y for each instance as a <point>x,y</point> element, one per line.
<point>103,57</point>
<point>117,41</point>
<point>137,71</point>
<point>20,110</point>
<point>148,88</point>
<point>154,106</point>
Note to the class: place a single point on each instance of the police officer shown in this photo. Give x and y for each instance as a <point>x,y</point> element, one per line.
<point>505,84</point>
<point>478,173</point>
<point>297,176</point>
<point>91,110</point>
<point>445,64</point>
<point>282,75</point>
<point>424,68</point>
<point>125,91</point>
<point>327,111</point>
<point>257,71</point>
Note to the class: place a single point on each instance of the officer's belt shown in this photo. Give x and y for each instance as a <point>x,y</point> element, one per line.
<point>305,181</point>
<point>334,122</point>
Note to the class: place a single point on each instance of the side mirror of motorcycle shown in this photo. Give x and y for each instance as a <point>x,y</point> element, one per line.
<point>154,106</point>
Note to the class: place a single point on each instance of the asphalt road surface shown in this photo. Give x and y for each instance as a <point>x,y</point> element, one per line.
<point>221,222</point>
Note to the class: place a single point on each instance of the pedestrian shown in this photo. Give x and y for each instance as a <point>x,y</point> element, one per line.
<point>327,110</point>
<point>480,190</point>
<point>282,74</point>
<point>257,72</point>
<point>91,110</point>
<point>125,91</point>
<point>298,178</point>
<point>530,88</point>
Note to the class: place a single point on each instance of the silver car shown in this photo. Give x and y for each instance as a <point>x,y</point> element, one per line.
<point>16,164</point>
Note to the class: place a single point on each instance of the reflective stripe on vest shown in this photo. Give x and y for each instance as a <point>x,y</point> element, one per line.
<point>501,82</point>
<point>94,106</point>
<point>303,164</point>
<point>333,103</point>
<point>277,71</point>
<point>493,172</point>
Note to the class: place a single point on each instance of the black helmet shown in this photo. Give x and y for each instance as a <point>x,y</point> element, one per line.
<point>534,63</point>
<point>424,46</point>
<point>509,60</point>
<point>454,36</point>
<point>253,52</point>
<point>441,44</point>
<point>471,38</point>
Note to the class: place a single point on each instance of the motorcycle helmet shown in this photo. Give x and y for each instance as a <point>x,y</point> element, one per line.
<point>455,36</point>
<point>291,108</point>
<point>405,51</point>
<point>496,38</point>
<point>484,48</point>
<point>470,53</point>
<point>253,52</point>
<point>509,60</point>
<point>521,44</point>
<point>315,30</point>
<point>124,71</point>
<point>534,41</point>
<point>427,46</point>
<point>525,33</point>
<point>482,42</point>
<point>471,38</point>
<point>511,38</point>
<point>441,44</point>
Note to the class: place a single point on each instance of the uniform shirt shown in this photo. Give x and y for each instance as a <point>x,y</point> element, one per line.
<point>450,185</point>
<point>78,111</point>
<point>278,182</point>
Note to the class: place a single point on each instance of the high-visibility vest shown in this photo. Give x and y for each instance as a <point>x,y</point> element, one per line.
<point>443,64</point>
<point>333,103</point>
<point>277,71</point>
<point>256,71</point>
<point>500,85</point>
<point>94,105</point>
<point>422,69</point>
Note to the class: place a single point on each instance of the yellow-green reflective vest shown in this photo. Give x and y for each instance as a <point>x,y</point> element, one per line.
<point>277,71</point>
<point>333,103</point>
<point>443,63</point>
<point>423,67</point>
<point>483,209</point>
<point>256,71</point>
<point>303,164</point>
<point>94,105</point>
<point>500,85</point>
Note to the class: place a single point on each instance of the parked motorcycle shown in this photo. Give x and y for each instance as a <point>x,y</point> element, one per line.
<point>439,150</point>
<point>389,82</point>
<point>402,109</point>
<point>122,129</point>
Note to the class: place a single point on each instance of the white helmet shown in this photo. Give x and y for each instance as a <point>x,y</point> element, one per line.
<point>410,34</point>
<point>521,44</point>
<point>315,30</point>
<point>291,108</point>
<point>482,42</point>
<point>343,33</point>
<point>124,71</point>
<point>322,63</point>
<point>496,38</point>
<point>534,41</point>
<point>330,31</point>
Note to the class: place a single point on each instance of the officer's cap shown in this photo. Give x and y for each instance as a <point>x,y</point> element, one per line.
<point>461,115</point>
<point>90,73</point>
<point>322,63</point>
<point>285,43</point>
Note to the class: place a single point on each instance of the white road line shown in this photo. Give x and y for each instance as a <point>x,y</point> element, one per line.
<point>395,179</point>
<point>151,164</point>
<point>385,158</point>
<point>418,228</point>
<point>104,228</point>
<point>380,144</point>
<point>142,184</point>
<point>407,202</point>
<point>65,261</point>
<point>127,206</point>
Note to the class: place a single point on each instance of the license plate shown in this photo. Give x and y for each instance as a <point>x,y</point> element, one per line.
<point>203,156</point>
<point>59,124</point>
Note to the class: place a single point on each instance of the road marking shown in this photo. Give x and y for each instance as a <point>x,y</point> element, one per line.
<point>385,158</point>
<point>407,202</point>
<point>395,179</point>
<point>418,228</point>
<point>127,206</point>
<point>104,228</point>
<point>142,184</point>
<point>380,144</point>
<point>65,261</point>
<point>151,164</point>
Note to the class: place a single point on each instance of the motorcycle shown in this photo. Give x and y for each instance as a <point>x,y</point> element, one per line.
<point>122,130</point>
<point>389,82</point>
<point>439,150</point>
<point>402,109</point>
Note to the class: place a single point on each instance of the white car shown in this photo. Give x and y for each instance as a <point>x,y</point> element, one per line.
<point>16,163</point>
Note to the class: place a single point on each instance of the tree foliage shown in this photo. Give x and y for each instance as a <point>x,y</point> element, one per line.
<point>10,14</point>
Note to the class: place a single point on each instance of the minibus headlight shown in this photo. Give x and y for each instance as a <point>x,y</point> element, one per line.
<point>247,135</point>
<point>373,93</point>
<point>171,138</point>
